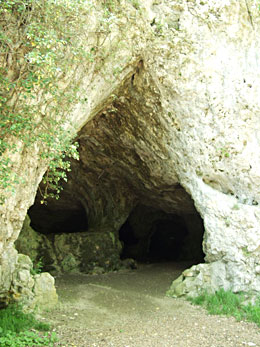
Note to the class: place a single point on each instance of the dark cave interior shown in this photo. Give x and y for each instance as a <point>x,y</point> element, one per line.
<point>148,235</point>
<point>162,237</point>
<point>56,219</point>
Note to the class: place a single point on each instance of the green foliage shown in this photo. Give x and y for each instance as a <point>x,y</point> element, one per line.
<point>37,267</point>
<point>224,152</point>
<point>14,319</point>
<point>18,329</point>
<point>246,252</point>
<point>136,4</point>
<point>235,207</point>
<point>229,304</point>
<point>39,61</point>
<point>57,170</point>
<point>27,338</point>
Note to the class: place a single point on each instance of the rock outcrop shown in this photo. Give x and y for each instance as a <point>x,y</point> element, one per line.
<point>172,122</point>
<point>34,291</point>
<point>70,252</point>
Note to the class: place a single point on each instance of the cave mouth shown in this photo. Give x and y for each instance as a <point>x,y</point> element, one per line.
<point>149,235</point>
<point>153,236</point>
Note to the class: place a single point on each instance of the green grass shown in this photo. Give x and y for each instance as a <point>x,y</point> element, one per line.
<point>229,304</point>
<point>19,329</point>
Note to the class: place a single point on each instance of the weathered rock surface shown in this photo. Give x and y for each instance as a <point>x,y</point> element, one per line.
<point>45,295</point>
<point>30,289</point>
<point>181,111</point>
<point>70,252</point>
<point>31,243</point>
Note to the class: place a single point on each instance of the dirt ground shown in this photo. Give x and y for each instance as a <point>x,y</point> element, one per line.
<point>129,309</point>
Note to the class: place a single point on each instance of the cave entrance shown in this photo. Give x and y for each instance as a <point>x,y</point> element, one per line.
<point>150,235</point>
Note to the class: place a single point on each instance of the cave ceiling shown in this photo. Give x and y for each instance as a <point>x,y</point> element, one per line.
<point>124,160</point>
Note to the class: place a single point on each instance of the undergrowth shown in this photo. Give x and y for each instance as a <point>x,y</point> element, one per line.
<point>229,304</point>
<point>19,329</point>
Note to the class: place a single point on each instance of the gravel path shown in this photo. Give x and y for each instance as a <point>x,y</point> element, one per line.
<point>129,309</point>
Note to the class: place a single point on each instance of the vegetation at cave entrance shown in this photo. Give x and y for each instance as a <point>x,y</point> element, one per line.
<point>46,50</point>
<point>229,304</point>
<point>18,329</point>
<point>39,60</point>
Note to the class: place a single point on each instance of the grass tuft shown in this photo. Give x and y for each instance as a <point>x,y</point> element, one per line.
<point>229,304</point>
<point>19,329</point>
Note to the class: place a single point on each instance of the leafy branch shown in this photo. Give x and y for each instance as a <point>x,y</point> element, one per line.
<point>38,51</point>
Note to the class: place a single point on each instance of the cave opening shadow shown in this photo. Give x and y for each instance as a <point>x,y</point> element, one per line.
<point>170,238</point>
<point>55,219</point>
<point>167,241</point>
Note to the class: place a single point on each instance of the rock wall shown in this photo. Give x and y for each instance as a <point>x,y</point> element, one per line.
<point>86,252</point>
<point>34,291</point>
<point>175,102</point>
<point>218,154</point>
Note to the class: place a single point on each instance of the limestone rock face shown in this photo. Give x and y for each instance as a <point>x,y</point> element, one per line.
<point>85,251</point>
<point>70,252</point>
<point>30,243</point>
<point>44,291</point>
<point>180,120</point>
<point>32,290</point>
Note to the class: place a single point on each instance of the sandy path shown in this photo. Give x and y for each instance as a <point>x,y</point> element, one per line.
<point>129,309</point>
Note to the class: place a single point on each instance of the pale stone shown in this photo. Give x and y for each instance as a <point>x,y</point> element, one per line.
<point>44,291</point>
<point>257,269</point>
<point>24,262</point>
